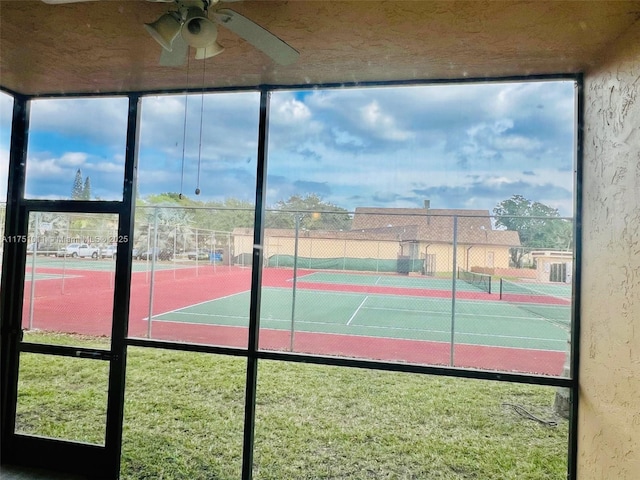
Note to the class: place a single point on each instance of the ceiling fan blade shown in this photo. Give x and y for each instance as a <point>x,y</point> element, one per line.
<point>257,36</point>
<point>60,2</point>
<point>178,54</point>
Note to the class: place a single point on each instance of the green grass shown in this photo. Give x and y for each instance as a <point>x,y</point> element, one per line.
<point>184,417</point>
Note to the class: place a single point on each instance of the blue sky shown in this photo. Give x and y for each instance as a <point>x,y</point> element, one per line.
<point>460,146</point>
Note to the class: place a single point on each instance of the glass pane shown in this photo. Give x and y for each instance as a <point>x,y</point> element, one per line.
<point>76,148</point>
<point>6,109</point>
<point>62,397</point>
<point>184,415</point>
<point>334,422</point>
<point>394,213</point>
<point>191,277</point>
<point>70,273</point>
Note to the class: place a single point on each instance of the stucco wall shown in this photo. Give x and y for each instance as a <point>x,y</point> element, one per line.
<point>609,415</point>
<point>478,256</point>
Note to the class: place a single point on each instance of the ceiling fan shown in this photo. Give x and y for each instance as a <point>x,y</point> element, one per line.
<point>192,25</point>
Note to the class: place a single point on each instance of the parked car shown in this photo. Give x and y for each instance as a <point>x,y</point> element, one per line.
<point>213,256</point>
<point>109,251</point>
<point>158,253</point>
<point>42,249</point>
<point>199,255</point>
<point>135,253</point>
<point>82,250</point>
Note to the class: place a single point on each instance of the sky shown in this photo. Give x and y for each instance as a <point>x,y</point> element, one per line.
<point>465,146</point>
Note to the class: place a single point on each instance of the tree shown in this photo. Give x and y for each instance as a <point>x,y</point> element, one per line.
<point>315,214</point>
<point>77,189</point>
<point>80,190</point>
<point>538,225</point>
<point>227,215</point>
<point>86,190</point>
<point>171,214</point>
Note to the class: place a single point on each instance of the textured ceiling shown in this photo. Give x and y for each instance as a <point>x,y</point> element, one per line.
<point>101,46</point>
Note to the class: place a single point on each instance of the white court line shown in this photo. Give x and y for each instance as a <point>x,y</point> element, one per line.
<point>49,276</point>
<point>461,314</point>
<point>433,312</point>
<point>177,310</point>
<point>425,330</point>
<point>300,277</point>
<point>357,310</point>
<point>377,280</point>
<point>288,321</point>
<point>214,315</point>
<point>375,327</point>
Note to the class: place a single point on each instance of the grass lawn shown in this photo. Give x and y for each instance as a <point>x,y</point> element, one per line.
<point>184,419</point>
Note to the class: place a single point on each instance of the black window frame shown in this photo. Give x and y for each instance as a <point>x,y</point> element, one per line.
<point>11,265</point>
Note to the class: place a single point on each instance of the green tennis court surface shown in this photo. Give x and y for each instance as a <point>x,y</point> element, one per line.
<point>107,264</point>
<point>415,318</point>
<point>532,289</point>
<point>46,276</point>
<point>386,281</point>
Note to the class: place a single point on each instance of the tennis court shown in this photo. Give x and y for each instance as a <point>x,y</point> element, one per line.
<point>400,281</point>
<point>107,264</point>
<point>490,323</point>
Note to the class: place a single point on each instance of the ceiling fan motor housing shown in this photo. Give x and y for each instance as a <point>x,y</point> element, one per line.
<point>198,31</point>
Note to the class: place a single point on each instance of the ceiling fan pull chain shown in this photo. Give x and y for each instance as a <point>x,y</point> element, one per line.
<point>184,132</point>
<point>201,122</point>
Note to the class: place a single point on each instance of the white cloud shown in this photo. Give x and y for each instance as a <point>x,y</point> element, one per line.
<point>291,111</point>
<point>43,168</point>
<point>382,123</point>
<point>4,173</point>
<point>107,167</point>
<point>72,159</point>
<point>459,145</point>
<point>497,181</point>
<point>101,120</point>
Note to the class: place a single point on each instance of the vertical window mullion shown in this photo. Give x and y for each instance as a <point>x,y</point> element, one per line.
<point>256,286</point>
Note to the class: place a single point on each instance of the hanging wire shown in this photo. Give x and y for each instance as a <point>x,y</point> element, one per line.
<point>201,122</point>
<point>184,131</point>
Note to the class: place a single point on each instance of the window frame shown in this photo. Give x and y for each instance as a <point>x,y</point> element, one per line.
<point>253,354</point>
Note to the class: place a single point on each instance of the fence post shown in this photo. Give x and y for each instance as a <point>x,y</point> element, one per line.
<point>32,292</point>
<point>152,252</point>
<point>295,279</point>
<point>453,290</point>
<point>344,256</point>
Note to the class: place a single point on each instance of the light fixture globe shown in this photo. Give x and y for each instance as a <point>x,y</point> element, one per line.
<point>198,31</point>
<point>209,51</point>
<point>165,29</point>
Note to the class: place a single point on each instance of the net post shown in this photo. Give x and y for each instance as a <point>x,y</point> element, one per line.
<point>500,288</point>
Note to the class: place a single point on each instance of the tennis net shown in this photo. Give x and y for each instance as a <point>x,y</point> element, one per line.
<point>553,308</point>
<point>479,280</point>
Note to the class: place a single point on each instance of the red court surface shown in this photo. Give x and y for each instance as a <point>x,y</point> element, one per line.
<point>82,304</point>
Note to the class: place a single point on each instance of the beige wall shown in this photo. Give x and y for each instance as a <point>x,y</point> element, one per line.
<point>478,256</point>
<point>331,248</point>
<point>609,408</point>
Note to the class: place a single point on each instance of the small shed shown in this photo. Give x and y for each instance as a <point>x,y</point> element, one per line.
<point>553,266</point>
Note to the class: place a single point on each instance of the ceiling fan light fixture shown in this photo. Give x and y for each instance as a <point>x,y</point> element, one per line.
<point>198,31</point>
<point>165,29</point>
<point>209,51</point>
